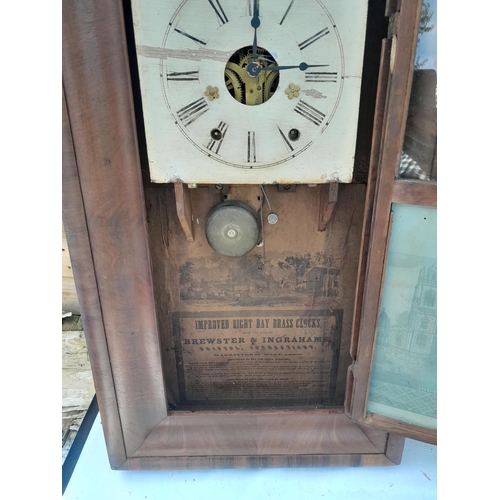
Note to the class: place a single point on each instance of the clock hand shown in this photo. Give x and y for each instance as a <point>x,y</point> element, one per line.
<point>254,69</point>
<point>302,66</point>
<point>255,22</point>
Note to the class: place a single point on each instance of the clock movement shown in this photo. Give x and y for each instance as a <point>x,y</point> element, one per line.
<point>231,171</point>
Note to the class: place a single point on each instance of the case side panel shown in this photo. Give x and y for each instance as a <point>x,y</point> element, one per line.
<point>97,83</point>
<point>88,296</point>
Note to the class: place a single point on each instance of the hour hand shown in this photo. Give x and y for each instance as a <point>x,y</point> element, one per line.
<point>254,69</point>
<point>302,66</point>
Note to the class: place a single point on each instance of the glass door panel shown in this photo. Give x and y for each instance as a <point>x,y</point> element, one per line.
<point>418,157</point>
<point>403,380</point>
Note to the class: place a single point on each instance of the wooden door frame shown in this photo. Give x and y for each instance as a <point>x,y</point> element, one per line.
<point>397,63</point>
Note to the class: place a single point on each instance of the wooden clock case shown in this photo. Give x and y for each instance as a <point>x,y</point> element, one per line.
<point>127,237</point>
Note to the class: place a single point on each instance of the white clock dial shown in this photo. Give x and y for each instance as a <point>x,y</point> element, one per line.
<point>217,111</point>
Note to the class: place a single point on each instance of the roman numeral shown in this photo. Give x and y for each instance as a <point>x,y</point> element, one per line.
<point>182,32</point>
<point>287,11</point>
<point>307,111</point>
<point>188,114</point>
<point>287,142</point>
<point>187,76</point>
<point>251,153</point>
<point>321,76</point>
<point>219,11</point>
<point>314,38</point>
<point>214,145</point>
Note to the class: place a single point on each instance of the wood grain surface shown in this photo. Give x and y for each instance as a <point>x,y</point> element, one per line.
<point>403,53</point>
<point>184,211</point>
<point>388,191</point>
<point>264,434</point>
<point>259,462</point>
<point>97,86</point>
<point>370,191</point>
<point>408,430</point>
<point>327,201</point>
<point>413,192</point>
<point>84,273</point>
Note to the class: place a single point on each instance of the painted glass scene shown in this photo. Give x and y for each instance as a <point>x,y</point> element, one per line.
<point>419,154</point>
<point>403,382</point>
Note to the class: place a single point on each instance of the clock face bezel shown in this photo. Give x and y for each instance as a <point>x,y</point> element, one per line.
<point>270,29</point>
<point>183,56</point>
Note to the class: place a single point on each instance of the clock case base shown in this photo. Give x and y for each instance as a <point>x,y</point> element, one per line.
<point>105,217</point>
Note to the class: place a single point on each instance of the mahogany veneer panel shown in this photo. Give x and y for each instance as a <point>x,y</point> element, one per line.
<point>264,434</point>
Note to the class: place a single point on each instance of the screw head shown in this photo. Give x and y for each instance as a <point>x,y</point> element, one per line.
<point>272,218</point>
